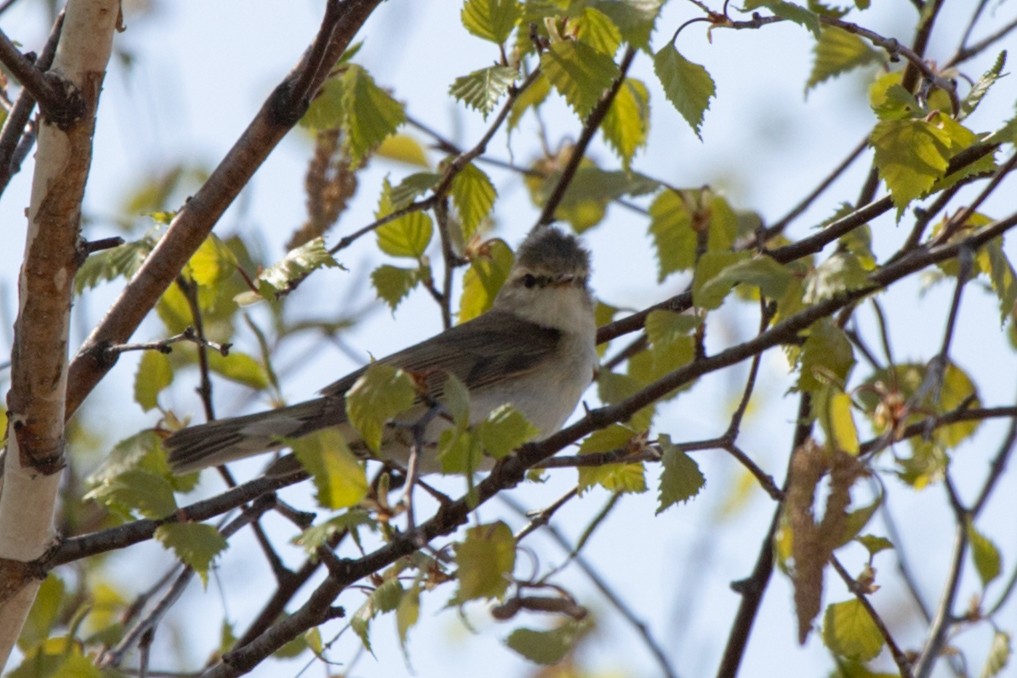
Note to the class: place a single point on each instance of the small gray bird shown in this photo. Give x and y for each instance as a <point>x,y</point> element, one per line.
<point>535,350</point>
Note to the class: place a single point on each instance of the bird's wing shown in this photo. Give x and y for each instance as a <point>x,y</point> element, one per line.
<point>478,352</point>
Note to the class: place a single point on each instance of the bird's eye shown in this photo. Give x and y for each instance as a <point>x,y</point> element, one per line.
<point>529,280</point>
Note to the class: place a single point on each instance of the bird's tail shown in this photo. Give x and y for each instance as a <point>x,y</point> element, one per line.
<point>225,440</point>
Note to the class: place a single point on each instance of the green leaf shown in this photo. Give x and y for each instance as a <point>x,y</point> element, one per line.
<point>789,11</point>
<point>613,388</point>
<point>709,286</point>
<point>491,20</point>
<point>326,110</point>
<point>849,631</point>
<point>196,544</point>
<point>874,544</point>
<point>910,156</point>
<point>579,73</point>
<point>408,613</point>
<point>597,30</point>
<point>154,374</point>
<point>627,123</point>
<point>635,20</point>
<point>985,555</point>
<point>826,357</point>
<point>687,85</point>
<point>240,368</point>
<point>118,262</point>
<point>673,237</point>
<point>623,477</point>
<point>1001,277</point>
<point>547,647</point>
<point>489,267</point>
<point>409,189</point>
<point>999,655</point>
<point>681,478</point>
<point>505,429</point>
<point>981,88</point>
<point>212,263</point>
<point>841,272</point>
<point>370,113</point>
<point>473,195</point>
<point>531,97</point>
<point>378,395</point>
<point>485,560</point>
<point>393,283</point>
<point>671,344</point>
<point>403,148</point>
<point>295,266</point>
<point>340,480</point>
<point>44,613</point>
<point>482,89</point>
<point>136,490</point>
<point>836,52</point>
<point>406,236</point>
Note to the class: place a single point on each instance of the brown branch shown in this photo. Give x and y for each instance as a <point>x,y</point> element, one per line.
<point>199,215</point>
<point>60,100</point>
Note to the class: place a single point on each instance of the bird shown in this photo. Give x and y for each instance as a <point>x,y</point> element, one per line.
<point>534,349</point>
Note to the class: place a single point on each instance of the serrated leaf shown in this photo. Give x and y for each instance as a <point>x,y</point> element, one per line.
<point>136,490</point>
<point>240,368</point>
<point>635,19</point>
<point>1002,278</point>
<point>326,110</point>
<point>504,429</point>
<point>985,555</point>
<point>579,73</point>
<point>403,148</point>
<point>118,262</point>
<point>999,655</point>
<point>473,194</point>
<point>547,647</point>
<point>910,156</point>
<point>370,114</point>
<point>196,544</point>
<point>485,561</point>
<point>622,477</point>
<point>409,189</point>
<point>709,286</point>
<point>378,395</point>
<point>841,272</point>
<point>850,632</point>
<point>981,87</point>
<point>406,236</point>
<point>340,480</point>
<point>489,267</point>
<point>597,30</point>
<point>613,388</point>
<point>482,89</point>
<point>154,374</point>
<point>393,283</point>
<point>627,123</point>
<point>836,52</point>
<point>491,20</point>
<point>826,357</point>
<point>531,97</point>
<point>408,613</point>
<point>673,237</point>
<point>686,85</point>
<point>789,11</point>
<point>681,478</point>
<point>297,265</point>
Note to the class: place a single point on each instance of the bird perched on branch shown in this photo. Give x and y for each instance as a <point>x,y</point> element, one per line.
<point>534,349</point>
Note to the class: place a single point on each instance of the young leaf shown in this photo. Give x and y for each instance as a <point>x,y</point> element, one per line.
<point>408,190</point>
<point>622,477</point>
<point>837,52</point>
<point>627,122</point>
<point>381,393</point>
<point>403,148</point>
<point>547,647</point>
<point>826,357</point>
<point>326,110</point>
<point>673,238</point>
<point>579,73</point>
<point>709,286</point>
<point>369,113</point>
<point>849,631</point>
<point>874,544</point>
<point>473,195</point>
<point>491,20</point>
<point>910,155</point>
<point>117,262</point>
<point>687,85</point>
<point>212,263</point>
<point>981,88</point>
<point>489,267</point>
<point>406,236</point>
<point>999,655</point>
<point>985,554</point>
<point>240,368</point>
<point>154,374</point>
<point>393,283</point>
<point>597,30</point>
<point>339,478</point>
<point>136,490</point>
<point>196,544</point>
<point>485,560</point>
<point>841,272</point>
<point>635,20</point>
<point>837,420</point>
<point>789,11</point>
<point>505,429</point>
<point>481,89</point>
<point>408,613</point>
<point>681,479</point>
<point>297,265</point>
